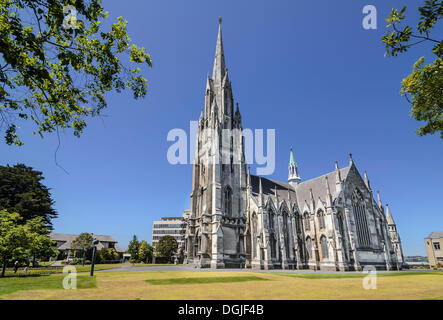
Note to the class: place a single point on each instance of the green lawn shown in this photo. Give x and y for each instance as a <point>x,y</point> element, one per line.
<point>203,280</point>
<point>12,284</point>
<point>226,285</point>
<point>59,269</point>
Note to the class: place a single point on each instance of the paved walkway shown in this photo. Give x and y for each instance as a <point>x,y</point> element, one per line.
<point>189,268</point>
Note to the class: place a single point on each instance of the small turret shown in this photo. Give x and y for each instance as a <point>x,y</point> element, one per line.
<point>389,218</point>
<point>293,178</point>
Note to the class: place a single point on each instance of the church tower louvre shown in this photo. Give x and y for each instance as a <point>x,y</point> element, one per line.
<point>214,235</point>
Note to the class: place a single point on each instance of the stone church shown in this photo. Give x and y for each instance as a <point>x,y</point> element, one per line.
<point>238,220</point>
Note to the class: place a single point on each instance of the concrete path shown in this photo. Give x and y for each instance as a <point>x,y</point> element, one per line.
<point>190,268</point>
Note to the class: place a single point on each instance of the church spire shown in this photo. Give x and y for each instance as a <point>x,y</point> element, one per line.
<point>219,70</point>
<point>293,178</point>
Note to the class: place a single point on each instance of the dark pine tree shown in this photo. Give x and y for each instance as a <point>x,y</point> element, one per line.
<point>22,191</point>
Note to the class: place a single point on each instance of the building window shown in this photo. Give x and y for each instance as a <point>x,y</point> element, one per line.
<point>228,201</point>
<point>297,223</point>
<point>436,245</point>
<point>271,219</point>
<point>358,207</point>
<point>324,247</point>
<point>309,247</point>
<point>307,222</point>
<point>321,219</point>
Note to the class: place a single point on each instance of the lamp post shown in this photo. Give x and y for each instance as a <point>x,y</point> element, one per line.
<point>94,249</point>
<point>84,256</point>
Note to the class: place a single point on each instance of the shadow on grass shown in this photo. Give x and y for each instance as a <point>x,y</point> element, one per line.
<point>9,285</point>
<point>350,275</point>
<point>204,280</point>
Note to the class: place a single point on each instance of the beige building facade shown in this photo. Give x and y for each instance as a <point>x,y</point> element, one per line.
<point>434,248</point>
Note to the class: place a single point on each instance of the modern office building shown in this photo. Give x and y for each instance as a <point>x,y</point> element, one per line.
<point>169,226</point>
<point>434,245</point>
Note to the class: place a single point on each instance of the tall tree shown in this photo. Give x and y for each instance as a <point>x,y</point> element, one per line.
<point>83,242</point>
<point>40,244</point>
<point>145,252</point>
<point>19,241</point>
<point>423,88</point>
<point>167,247</point>
<point>57,62</point>
<point>22,190</point>
<point>133,248</point>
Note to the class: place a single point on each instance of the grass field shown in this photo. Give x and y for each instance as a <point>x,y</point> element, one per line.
<point>87,268</point>
<point>194,285</point>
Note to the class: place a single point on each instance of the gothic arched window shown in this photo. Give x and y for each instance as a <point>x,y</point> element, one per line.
<point>228,201</point>
<point>324,247</point>
<point>297,222</point>
<point>341,228</point>
<point>307,222</point>
<point>286,232</point>
<point>271,219</point>
<point>321,219</point>
<point>309,247</point>
<point>254,235</point>
<point>358,207</point>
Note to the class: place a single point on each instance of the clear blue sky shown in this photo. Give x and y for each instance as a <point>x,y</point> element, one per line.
<point>305,68</point>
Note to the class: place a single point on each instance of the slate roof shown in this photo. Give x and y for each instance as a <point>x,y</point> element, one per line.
<point>436,235</point>
<point>318,186</point>
<point>301,192</point>
<point>68,238</point>
<point>269,185</point>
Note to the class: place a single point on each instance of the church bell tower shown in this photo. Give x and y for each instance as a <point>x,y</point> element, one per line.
<point>214,235</point>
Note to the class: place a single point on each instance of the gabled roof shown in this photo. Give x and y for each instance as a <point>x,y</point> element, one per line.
<point>318,186</point>
<point>436,235</point>
<point>68,238</point>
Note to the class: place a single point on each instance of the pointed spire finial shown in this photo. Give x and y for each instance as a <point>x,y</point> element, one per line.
<point>291,157</point>
<point>351,161</point>
<point>367,181</point>
<point>337,173</point>
<point>379,199</point>
<point>219,20</point>
<point>219,70</point>
<point>328,190</point>
<point>389,218</point>
<point>328,195</point>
